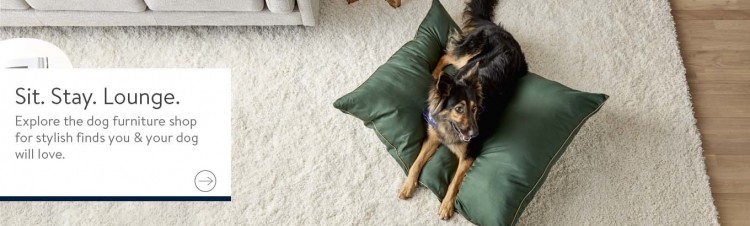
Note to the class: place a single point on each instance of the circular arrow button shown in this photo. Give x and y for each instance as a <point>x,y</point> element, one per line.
<point>205,181</point>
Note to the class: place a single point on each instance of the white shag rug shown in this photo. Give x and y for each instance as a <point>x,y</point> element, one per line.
<point>297,160</point>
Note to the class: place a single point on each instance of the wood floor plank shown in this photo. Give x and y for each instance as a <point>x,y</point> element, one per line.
<point>728,75</point>
<point>718,59</point>
<point>725,136</point>
<point>720,87</point>
<point>729,173</point>
<point>693,26</point>
<point>721,105</point>
<point>732,35</point>
<point>715,40</point>
<point>711,14</point>
<point>733,208</point>
<point>732,25</point>
<point>710,4</point>
<point>725,145</point>
<point>722,65</point>
<point>710,26</point>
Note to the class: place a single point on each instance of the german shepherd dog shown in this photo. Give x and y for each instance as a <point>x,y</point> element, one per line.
<point>489,64</point>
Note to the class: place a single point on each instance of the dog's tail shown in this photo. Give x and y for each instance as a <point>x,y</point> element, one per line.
<point>478,11</point>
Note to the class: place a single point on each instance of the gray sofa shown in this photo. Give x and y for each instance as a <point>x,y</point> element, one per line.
<point>158,12</point>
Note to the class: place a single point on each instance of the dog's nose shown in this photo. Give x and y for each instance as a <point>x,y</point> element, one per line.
<point>473,133</point>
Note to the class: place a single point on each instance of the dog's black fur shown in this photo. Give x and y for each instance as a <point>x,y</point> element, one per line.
<point>490,63</point>
<point>501,63</point>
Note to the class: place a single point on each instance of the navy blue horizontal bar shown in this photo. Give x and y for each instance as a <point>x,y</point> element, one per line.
<point>116,198</point>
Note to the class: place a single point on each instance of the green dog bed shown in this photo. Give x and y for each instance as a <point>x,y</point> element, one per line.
<point>539,123</point>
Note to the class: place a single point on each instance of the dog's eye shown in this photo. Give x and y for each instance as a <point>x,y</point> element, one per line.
<point>459,109</point>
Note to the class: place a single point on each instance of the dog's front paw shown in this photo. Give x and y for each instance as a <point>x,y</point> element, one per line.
<point>407,189</point>
<point>446,210</point>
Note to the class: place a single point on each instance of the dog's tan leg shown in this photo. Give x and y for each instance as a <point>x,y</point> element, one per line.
<point>429,146</point>
<point>440,65</point>
<point>450,59</point>
<point>447,205</point>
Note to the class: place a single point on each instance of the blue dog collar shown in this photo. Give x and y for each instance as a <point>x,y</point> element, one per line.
<point>428,118</point>
<point>431,121</point>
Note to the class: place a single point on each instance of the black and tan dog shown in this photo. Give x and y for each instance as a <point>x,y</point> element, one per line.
<point>489,62</point>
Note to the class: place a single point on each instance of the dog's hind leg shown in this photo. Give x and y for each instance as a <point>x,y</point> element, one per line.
<point>447,205</point>
<point>450,59</point>
<point>440,65</point>
<point>429,146</point>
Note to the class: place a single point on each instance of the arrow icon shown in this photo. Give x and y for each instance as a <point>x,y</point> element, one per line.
<point>209,181</point>
<point>204,185</point>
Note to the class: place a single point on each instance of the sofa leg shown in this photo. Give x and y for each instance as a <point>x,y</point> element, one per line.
<point>394,3</point>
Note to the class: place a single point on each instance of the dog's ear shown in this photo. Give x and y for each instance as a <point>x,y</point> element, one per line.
<point>444,84</point>
<point>472,75</point>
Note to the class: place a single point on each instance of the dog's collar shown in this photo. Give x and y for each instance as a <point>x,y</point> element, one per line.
<point>428,118</point>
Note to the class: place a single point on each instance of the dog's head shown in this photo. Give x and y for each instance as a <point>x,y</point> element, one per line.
<point>455,104</point>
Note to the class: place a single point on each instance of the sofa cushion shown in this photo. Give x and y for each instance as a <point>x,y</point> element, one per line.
<point>280,6</point>
<point>203,5</point>
<point>18,18</point>
<point>94,18</point>
<point>89,5</point>
<point>13,4</point>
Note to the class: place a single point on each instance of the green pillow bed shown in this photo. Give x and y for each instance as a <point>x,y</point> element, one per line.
<point>539,123</point>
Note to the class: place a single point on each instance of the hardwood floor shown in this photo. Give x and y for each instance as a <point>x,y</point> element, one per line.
<point>714,39</point>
